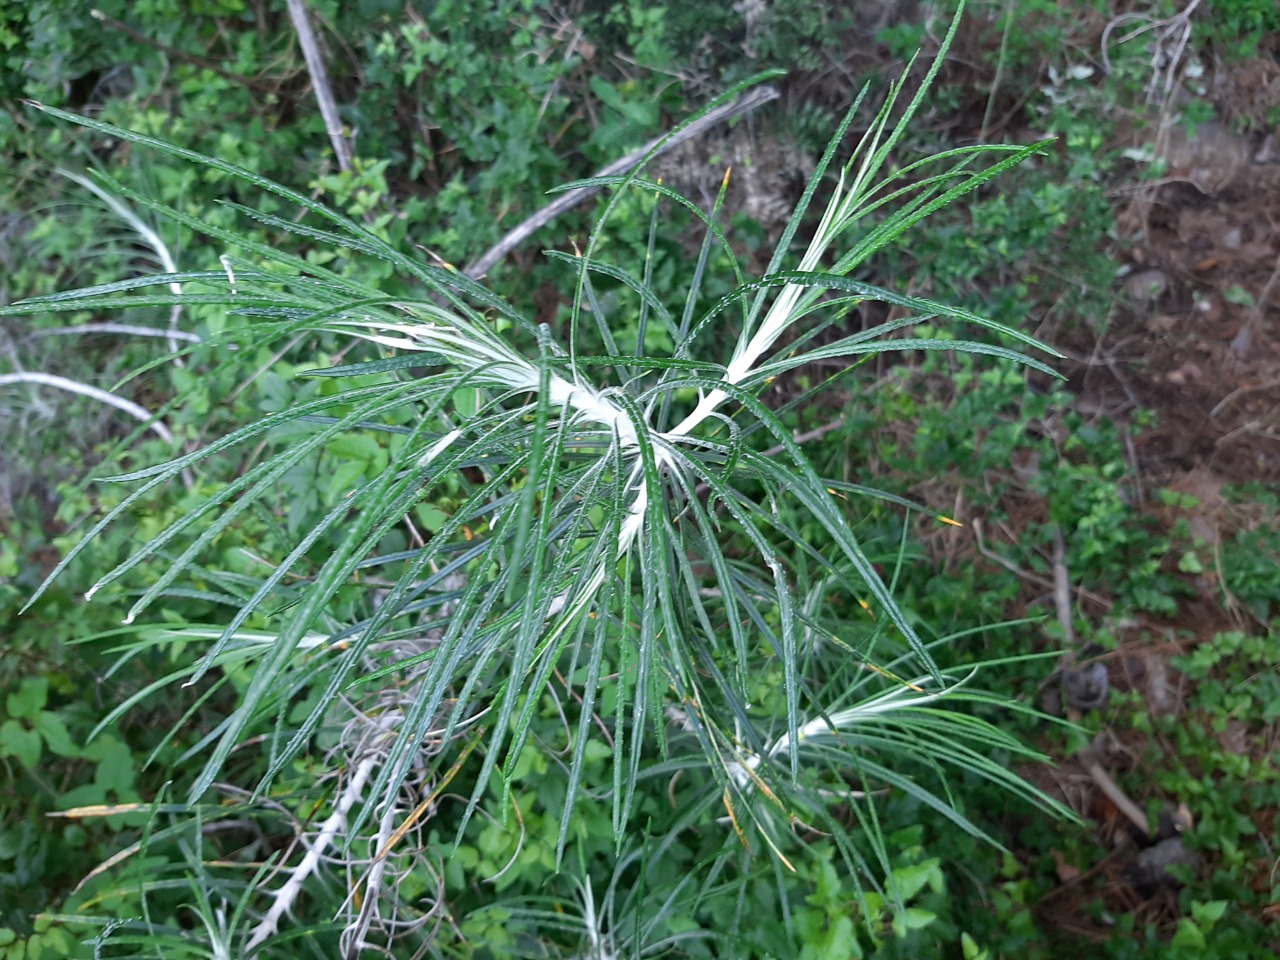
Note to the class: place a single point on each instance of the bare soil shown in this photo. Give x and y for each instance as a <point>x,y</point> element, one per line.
<point>1193,336</point>
<point>1199,338</point>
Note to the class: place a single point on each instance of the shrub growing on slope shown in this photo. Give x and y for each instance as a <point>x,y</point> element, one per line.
<point>538,536</point>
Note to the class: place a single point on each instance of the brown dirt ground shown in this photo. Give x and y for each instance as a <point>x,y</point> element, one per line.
<point>1195,337</point>
<point>1202,350</point>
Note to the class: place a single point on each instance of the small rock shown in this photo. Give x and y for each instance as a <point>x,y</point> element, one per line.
<point>1146,286</point>
<point>1269,151</point>
<point>1150,870</point>
<point>1086,686</point>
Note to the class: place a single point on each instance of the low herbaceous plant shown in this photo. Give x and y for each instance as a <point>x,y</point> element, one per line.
<point>616,543</point>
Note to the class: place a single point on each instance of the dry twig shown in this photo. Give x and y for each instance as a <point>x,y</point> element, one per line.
<point>102,396</point>
<point>1175,30</point>
<point>204,63</point>
<point>1027,575</point>
<point>1092,764</point>
<point>746,103</point>
<point>320,84</point>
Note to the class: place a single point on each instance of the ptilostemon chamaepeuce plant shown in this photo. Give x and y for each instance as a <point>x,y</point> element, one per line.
<point>594,544</point>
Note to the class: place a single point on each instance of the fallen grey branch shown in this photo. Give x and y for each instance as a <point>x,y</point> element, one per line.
<point>320,83</point>
<point>749,101</point>
<point>102,396</point>
<point>1112,789</point>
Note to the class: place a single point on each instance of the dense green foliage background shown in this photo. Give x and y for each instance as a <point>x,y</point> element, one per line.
<point>464,115</point>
